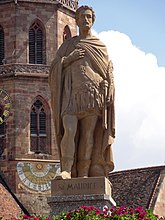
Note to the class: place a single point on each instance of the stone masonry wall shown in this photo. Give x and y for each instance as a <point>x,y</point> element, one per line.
<point>63,20</point>
<point>27,13</point>
<point>24,85</point>
<point>7,21</point>
<point>23,91</point>
<point>16,20</point>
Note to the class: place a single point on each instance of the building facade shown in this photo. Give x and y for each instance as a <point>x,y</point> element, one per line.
<point>30,33</point>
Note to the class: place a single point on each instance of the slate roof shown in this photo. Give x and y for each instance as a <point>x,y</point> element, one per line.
<point>136,186</point>
<point>9,204</point>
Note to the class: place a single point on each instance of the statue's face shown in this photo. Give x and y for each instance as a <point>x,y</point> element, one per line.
<point>85,19</point>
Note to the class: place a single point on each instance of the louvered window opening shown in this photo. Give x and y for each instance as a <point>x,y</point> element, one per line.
<point>2,52</point>
<point>35,44</point>
<point>38,131</point>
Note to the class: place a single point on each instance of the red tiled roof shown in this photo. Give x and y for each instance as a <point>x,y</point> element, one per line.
<point>8,206</point>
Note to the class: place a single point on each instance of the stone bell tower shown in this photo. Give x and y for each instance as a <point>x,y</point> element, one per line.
<point>30,33</point>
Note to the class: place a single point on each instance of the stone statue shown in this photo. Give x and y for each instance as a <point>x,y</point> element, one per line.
<point>82,98</point>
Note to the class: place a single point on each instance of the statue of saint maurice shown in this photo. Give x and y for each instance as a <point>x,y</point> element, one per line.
<point>82,98</point>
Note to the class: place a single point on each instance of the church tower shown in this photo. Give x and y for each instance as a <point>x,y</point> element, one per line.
<point>30,33</point>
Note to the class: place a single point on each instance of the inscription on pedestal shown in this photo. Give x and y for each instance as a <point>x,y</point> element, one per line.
<point>79,186</point>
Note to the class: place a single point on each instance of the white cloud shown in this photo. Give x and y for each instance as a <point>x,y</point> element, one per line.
<point>140,105</point>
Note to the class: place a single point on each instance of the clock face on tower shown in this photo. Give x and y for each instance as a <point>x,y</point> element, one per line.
<point>5,105</point>
<point>37,176</point>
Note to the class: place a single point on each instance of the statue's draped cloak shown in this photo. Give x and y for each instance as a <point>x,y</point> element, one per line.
<point>60,86</point>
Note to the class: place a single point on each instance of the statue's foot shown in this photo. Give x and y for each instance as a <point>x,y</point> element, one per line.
<point>63,175</point>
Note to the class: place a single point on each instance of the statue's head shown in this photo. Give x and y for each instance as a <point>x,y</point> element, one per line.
<point>83,8</point>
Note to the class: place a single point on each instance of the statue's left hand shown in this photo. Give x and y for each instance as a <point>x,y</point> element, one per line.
<point>109,101</point>
<point>104,84</point>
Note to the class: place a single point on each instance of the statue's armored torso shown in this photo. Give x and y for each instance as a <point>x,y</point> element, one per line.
<point>86,96</point>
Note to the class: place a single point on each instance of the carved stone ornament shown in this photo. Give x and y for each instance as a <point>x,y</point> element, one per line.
<point>23,70</point>
<point>72,4</point>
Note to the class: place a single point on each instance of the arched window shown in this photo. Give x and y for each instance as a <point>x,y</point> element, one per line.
<point>2,52</point>
<point>66,33</point>
<point>39,128</point>
<point>36,44</point>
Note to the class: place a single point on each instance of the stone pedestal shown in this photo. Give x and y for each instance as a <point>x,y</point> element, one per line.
<point>70,194</point>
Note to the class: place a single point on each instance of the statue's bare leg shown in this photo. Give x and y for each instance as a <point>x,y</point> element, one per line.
<point>87,127</point>
<point>68,145</point>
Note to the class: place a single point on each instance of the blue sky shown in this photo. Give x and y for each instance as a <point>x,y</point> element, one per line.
<point>142,20</point>
<point>134,33</point>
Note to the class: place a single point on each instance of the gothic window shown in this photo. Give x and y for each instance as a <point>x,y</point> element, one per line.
<point>2,138</point>
<point>66,33</point>
<point>36,44</point>
<point>2,53</point>
<point>39,128</point>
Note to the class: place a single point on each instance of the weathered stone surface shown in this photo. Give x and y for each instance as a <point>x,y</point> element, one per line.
<point>73,193</point>
<point>81,186</point>
<point>82,96</point>
<point>59,204</point>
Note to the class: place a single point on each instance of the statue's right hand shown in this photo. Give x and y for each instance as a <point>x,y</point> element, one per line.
<point>76,55</point>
